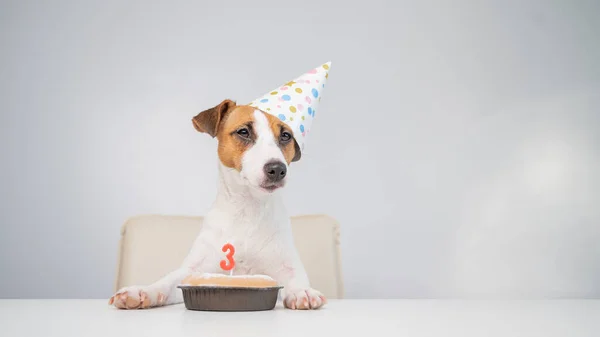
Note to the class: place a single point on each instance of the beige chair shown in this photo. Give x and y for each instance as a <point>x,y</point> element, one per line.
<point>153,245</point>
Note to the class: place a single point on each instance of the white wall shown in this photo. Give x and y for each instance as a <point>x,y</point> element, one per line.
<point>459,140</point>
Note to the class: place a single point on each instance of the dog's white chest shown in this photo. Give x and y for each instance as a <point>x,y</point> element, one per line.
<point>253,240</point>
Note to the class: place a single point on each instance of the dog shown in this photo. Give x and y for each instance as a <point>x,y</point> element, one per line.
<point>255,150</point>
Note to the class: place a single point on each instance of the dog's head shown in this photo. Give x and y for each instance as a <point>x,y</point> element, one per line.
<point>257,145</point>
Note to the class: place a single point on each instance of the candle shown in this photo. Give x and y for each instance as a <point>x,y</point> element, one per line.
<point>228,266</point>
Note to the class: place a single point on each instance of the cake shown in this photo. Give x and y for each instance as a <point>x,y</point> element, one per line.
<point>221,292</point>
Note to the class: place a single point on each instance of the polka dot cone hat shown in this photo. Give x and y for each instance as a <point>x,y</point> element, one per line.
<point>296,102</point>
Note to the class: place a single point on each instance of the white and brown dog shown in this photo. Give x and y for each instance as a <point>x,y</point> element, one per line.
<point>255,150</point>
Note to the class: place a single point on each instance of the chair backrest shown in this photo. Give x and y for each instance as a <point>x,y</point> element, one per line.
<point>153,245</point>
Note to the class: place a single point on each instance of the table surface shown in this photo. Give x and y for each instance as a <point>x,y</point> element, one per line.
<point>389,317</point>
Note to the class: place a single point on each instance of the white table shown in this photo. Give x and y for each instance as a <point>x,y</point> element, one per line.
<point>372,318</point>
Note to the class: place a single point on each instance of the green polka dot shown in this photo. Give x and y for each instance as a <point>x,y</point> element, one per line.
<point>274,93</point>
<point>298,90</point>
<point>292,108</point>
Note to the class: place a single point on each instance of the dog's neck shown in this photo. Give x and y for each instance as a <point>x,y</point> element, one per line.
<point>235,195</point>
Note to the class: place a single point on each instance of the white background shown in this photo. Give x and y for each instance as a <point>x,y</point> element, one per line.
<point>456,142</point>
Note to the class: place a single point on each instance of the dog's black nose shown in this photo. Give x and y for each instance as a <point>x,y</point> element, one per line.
<point>275,171</point>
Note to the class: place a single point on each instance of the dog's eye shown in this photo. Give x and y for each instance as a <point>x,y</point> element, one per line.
<point>244,133</point>
<point>285,136</point>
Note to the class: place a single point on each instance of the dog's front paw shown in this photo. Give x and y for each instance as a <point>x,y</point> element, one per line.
<point>137,298</point>
<point>304,299</point>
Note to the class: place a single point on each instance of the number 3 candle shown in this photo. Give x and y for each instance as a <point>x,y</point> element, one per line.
<point>228,266</point>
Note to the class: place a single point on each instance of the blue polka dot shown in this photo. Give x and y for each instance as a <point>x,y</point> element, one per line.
<point>282,117</point>
<point>264,100</point>
<point>310,111</point>
<point>315,93</point>
<point>301,128</point>
<point>323,85</point>
<point>286,97</point>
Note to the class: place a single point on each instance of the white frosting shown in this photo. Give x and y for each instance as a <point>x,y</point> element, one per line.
<point>216,275</point>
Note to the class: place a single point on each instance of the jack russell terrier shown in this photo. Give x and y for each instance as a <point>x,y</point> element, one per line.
<point>255,150</point>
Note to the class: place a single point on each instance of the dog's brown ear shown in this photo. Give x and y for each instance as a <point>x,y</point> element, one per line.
<point>208,120</point>
<point>297,153</point>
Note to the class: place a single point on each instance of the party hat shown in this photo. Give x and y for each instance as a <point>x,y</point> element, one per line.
<point>296,102</point>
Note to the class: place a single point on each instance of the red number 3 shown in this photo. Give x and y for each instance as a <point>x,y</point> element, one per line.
<point>228,247</point>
